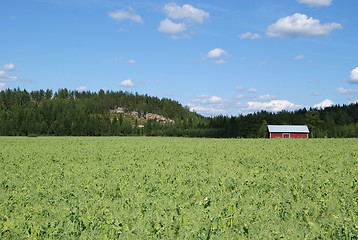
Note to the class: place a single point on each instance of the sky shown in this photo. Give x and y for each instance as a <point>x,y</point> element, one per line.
<point>217,57</point>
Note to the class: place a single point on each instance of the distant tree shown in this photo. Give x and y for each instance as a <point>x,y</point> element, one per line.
<point>120,119</point>
<point>48,94</point>
<point>262,132</point>
<point>313,122</point>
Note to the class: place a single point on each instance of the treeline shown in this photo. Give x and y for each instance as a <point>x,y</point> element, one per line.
<point>73,113</point>
<point>332,122</point>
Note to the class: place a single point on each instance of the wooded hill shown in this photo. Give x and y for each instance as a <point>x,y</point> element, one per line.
<point>108,113</point>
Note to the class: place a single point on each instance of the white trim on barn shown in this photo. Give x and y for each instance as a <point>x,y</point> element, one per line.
<point>286,135</point>
<point>288,129</point>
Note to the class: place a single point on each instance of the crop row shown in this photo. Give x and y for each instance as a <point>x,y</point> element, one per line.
<point>178,188</point>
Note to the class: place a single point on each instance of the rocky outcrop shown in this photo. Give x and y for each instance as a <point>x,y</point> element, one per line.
<point>142,116</point>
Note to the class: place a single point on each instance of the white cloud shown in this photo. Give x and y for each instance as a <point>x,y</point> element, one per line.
<point>2,86</point>
<point>347,91</point>
<point>117,59</point>
<point>299,57</point>
<point>240,96</point>
<point>3,73</point>
<point>211,105</point>
<point>186,12</point>
<point>324,104</point>
<point>169,27</point>
<point>207,110</point>
<point>126,83</point>
<point>300,25</point>
<point>240,88</point>
<point>316,3</point>
<point>82,89</point>
<point>244,89</point>
<point>9,67</point>
<point>121,15</point>
<point>131,61</point>
<point>250,35</point>
<point>4,77</point>
<point>252,90</point>
<point>206,99</point>
<point>354,76</point>
<point>316,94</point>
<point>216,53</point>
<point>266,97</point>
<point>120,30</point>
<point>274,106</point>
<point>220,61</point>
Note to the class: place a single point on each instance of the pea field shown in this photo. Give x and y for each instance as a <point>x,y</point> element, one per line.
<point>178,188</point>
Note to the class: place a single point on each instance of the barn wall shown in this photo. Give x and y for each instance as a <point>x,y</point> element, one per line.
<point>299,135</point>
<point>276,135</point>
<point>292,135</point>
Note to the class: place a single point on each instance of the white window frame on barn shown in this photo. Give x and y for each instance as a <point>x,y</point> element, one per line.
<point>286,135</point>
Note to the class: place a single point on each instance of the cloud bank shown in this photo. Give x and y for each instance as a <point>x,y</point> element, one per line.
<point>299,57</point>
<point>244,89</point>
<point>324,104</point>
<point>121,15</point>
<point>347,91</point>
<point>5,78</point>
<point>169,27</point>
<point>273,106</point>
<point>9,67</point>
<point>206,99</point>
<point>300,25</point>
<point>126,83</point>
<point>354,76</point>
<point>187,14</point>
<point>250,35</point>
<point>217,54</point>
<point>316,3</point>
<point>82,89</point>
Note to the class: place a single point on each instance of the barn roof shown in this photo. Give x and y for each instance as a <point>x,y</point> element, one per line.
<point>288,129</point>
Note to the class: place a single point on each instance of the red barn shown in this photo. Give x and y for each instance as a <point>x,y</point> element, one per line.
<point>288,131</point>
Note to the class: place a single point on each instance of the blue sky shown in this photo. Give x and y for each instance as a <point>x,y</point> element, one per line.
<point>217,57</point>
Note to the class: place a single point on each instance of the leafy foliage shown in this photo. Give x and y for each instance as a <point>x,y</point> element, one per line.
<point>178,188</point>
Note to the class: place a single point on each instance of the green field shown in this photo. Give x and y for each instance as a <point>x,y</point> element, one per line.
<point>178,188</point>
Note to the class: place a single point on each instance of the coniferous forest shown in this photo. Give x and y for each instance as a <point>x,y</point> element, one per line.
<point>108,113</point>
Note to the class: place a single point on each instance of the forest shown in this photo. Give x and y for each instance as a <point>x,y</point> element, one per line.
<point>74,113</point>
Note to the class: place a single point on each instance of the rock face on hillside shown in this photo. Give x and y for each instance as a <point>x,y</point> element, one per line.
<point>142,116</point>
